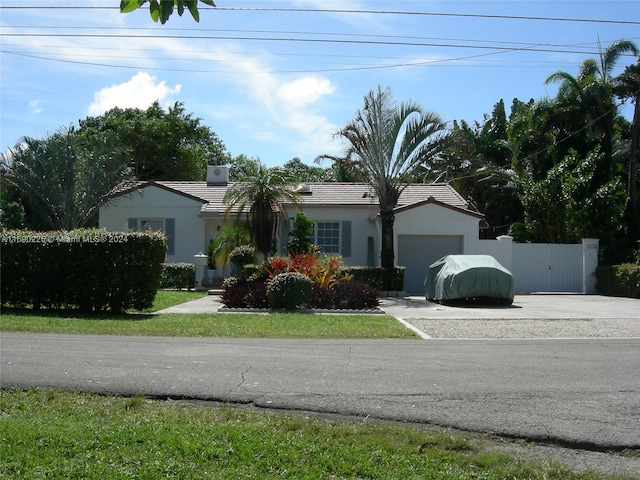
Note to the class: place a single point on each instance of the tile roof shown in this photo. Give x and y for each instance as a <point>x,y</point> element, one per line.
<point>325,194</point>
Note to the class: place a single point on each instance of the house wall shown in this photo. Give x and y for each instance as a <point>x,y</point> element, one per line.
<point>361,229</point>
<point>154,202</point>
<point>432,219</point>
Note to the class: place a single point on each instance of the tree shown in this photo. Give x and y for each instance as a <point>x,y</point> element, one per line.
<point>592,92</point>
<point>564,207</point>
<point>627,85</point>
<point>476,161</point>
<point>162,145</point>
<point>161,10</point>
<point>301,172</point>
<point>63,181</point>
<point>226,239</point>
<point>388,141</point>
<point>259,196</point>
<point>241,167</point>
<point>345,169</point>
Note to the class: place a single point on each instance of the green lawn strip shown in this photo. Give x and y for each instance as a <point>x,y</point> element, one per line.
<point>54,434</point>
<point>233,325</point>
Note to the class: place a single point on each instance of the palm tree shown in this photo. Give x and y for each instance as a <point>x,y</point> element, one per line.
<point>63,182</point>
<point>592,91</point>
<point>226,239</point>
<point>389,141</point>
<point>260,196</point>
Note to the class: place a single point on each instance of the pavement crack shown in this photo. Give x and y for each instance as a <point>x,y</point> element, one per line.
<point>243,379</point>
<point>348,354</point>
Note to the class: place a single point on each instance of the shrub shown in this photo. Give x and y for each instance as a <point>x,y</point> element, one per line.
<point>254,271</point>
<point>85,269</point>
<point>323,271</point>
<point>251,294</point>
<point>302,230</point>
<point>353,294</point>
<point>178,275</point>
<point>619,280</point>
<point>378,277</point>
<point>348,295</point>
<point>242,255</point>
<point>230,282</point>
<point>289,291</point>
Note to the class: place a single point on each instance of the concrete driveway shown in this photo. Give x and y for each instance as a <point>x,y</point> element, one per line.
<point>534,306</point>
<point>530,316</point>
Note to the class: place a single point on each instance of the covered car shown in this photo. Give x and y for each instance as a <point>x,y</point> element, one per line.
<point>469,277</point>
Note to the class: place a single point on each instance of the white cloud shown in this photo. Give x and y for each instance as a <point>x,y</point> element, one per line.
<point>275,108</point>
<point>139,92</point>
<point>305,91</point>
<point>34,106</point>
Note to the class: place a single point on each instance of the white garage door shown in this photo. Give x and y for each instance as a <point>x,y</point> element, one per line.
<point>417,252</point>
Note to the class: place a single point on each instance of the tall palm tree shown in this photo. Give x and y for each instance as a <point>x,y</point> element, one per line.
<point>592,90</point>
<point>388,141</point>
<point>260,195</point>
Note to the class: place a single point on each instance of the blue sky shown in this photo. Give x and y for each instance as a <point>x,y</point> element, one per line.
<point>275,78</point>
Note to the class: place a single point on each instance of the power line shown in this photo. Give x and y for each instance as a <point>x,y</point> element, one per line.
<point>294,39</point>
<point>298,32</point>
<point>346,11</point>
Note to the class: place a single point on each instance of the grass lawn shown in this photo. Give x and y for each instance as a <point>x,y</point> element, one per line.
<point>234,325</point>
<point>53,434</point>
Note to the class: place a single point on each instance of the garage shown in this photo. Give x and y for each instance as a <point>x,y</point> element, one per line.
<point>417,252</point>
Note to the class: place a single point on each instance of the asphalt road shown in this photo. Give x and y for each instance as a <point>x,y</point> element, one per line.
<point>576,392</point>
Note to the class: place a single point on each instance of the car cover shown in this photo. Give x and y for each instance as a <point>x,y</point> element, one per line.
<point>457,277</point>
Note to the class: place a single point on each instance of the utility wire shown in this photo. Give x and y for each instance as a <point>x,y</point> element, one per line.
<point>289,39</point>
<point>345,11</point>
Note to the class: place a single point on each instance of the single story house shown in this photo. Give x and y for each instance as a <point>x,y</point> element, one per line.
<point>432,220</point>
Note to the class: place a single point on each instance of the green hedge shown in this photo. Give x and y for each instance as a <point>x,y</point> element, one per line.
<point>178,275</point>
<point>387,280</point>
<point>619,280</point>
<point>90,270</point>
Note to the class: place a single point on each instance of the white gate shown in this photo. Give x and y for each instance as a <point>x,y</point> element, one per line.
<point>545,267</point>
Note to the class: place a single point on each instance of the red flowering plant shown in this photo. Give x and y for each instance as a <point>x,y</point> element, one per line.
<point>325,272</point>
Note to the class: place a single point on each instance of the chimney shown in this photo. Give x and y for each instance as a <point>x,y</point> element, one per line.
<point>217,174</point>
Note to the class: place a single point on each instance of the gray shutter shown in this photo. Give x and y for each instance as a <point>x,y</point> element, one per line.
<point>346,239</point>
<point>170,232</point>
<point>132,224</point>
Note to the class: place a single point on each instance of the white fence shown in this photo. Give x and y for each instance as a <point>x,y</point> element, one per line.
<point>546,267</point>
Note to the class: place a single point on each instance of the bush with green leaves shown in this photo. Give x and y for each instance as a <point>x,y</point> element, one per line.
<point>619,280</point>
<point>178,275</point>
<point>300,234</point>
<point>378,277</point>
<point>91,270</point>
<point>242,255</point>
<point>289,291</point>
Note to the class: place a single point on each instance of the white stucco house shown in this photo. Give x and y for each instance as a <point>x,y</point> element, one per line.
<point>432,220</point>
